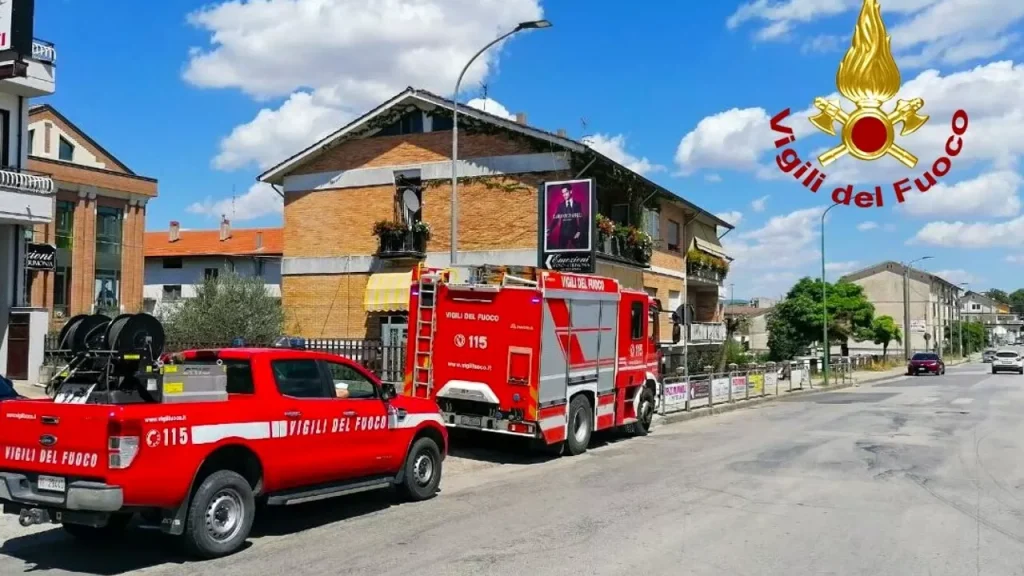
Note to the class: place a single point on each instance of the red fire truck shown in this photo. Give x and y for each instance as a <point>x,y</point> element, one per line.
<point>534,353</point>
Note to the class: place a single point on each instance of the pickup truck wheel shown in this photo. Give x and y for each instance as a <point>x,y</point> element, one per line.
<point>116,524</point>
<point>581,425</point>
<point>220,515</point>
<point>422,472</point>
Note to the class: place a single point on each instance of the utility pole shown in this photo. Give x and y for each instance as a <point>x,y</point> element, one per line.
<point>906,306</point>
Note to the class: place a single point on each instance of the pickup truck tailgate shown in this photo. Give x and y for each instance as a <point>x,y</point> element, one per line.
<point>48,438</point>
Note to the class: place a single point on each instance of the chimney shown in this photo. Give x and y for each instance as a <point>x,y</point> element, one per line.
<point>259,240</point>
<point>225,228</point>
<point>521,118</point>
<point>173,233</point>
<point>561,132</point>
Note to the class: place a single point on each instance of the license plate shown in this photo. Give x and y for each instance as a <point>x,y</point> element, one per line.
<point>471,421</point>
<point>50,483</point>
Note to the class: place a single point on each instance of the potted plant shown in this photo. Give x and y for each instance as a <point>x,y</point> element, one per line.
<point>641,245</point>
<point>391,234</point>
<point>620,240</point>
<point>605,233</point>
<point>420,235</point>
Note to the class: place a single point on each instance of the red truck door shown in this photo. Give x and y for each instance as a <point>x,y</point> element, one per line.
<point>368,443</point>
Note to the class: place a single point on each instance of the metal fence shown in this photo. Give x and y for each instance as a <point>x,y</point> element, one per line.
<point>385,360</point>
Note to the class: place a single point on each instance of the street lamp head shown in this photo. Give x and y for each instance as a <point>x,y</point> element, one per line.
<point>533,25</point>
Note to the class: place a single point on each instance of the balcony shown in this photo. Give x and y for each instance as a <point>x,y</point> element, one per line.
<point>34,76</point>
<point>700,274</point>
<point>706,333</point>
<point>397,240</point>
<point>705,268</point>
<point>25,197</point>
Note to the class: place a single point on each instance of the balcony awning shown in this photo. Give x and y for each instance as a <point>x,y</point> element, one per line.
<point>388,292</point>
<point>713,249</point>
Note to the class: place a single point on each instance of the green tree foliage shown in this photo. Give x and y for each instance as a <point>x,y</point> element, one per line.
<point>884,330</point>
<point>225,308</point>
<point>732,351</point>
<point>1017,301</point>
<point>974,336</point>
<point>999,296</point>
<point>796,322</point>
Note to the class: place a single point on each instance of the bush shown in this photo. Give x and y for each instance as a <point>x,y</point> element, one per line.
<point>225,308</point>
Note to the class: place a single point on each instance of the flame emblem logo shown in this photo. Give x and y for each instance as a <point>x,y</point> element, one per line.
<point>868,77</point>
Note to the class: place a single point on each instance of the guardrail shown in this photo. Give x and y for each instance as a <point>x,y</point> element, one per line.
<point>25,181</point>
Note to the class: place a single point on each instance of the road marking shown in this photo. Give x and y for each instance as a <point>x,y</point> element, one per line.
<point>962,401</point>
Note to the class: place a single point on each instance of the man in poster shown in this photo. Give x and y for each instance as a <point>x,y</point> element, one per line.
<point>568,228</point>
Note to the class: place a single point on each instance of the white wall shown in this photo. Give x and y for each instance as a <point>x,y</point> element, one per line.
<point>193,270</point>
<point>81,155</point>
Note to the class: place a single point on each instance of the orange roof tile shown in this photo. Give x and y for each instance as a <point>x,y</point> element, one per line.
<point>208,243</point>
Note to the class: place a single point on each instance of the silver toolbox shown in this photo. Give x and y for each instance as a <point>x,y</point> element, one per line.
<point>194,383</point>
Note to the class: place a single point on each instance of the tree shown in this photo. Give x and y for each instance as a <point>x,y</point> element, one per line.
<point>884,330</point>
<point>1017,301</point>
<point>974,336</point>
<point>998,296</point>
<point>225,308</point>
<point>799,316</point>
<point>732,350</point>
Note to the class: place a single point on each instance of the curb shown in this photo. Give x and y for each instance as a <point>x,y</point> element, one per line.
<point>702,412</point>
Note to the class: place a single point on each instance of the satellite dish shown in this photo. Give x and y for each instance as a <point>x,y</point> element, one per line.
<point>410,201</point>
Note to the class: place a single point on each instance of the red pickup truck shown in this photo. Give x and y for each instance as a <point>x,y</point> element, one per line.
<point>206,438</point>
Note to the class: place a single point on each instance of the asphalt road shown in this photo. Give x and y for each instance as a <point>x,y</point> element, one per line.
<point>910,476</point>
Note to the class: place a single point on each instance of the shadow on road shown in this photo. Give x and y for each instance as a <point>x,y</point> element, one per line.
<point>501,449</point>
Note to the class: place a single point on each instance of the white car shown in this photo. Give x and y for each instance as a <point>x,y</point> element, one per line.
<point>1008,361</point>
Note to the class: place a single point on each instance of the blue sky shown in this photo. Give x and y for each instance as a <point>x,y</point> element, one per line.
<point>201,96</point>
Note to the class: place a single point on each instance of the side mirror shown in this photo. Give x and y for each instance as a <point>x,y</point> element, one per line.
<point>677,333</point>
<point>657,304</point>
<point>387,391</point>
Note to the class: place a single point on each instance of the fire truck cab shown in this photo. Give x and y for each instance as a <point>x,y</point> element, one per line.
<point>534,353</point>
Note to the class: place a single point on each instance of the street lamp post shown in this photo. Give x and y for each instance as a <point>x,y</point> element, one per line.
<point>532,25</point>
<point>960,319</point>
<point>906,305</point>
<point>824,299</point>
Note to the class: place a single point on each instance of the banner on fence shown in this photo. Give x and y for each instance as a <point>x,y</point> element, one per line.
<point>771,380</point>
<point>796,376</point>
<point>700,389</point>
<point>677,391</point>
<point>755,383</point>
<point>720,389</point>
<point>739,387</point>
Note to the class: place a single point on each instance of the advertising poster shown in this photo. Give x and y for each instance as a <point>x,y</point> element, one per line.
<point>567,226</point>
<point>770,381</point>
<point>720,389</point>
<point>700,389</point>
<point>739,387</point>
<point>755,383</point>
<point>796,377</point>
<point>677,392</point>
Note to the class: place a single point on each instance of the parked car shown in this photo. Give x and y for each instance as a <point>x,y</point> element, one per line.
<point>925,362</point>
<point>988,355</point>
<point>1008,361</point>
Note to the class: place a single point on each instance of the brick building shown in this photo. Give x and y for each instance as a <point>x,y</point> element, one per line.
<point>340,280</point>
<point>98,224</point>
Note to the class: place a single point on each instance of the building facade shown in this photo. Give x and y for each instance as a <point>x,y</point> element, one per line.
<point>393,166</point>
<point>27,70</point>
<point>753,333</point>
<point>1001,327</point>
<point>99,221</point>
<point>178,260</point>
<point>932,304</point>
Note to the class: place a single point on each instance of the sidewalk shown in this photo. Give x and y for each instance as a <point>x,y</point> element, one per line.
<point>29,390</point>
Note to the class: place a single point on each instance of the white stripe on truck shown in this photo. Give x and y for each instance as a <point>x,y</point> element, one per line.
<point>213,433</point>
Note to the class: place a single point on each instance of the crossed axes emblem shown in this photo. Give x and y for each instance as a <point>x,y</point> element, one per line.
<point>906,111</point>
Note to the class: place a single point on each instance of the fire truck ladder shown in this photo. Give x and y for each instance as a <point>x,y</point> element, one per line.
<point>423,368</point>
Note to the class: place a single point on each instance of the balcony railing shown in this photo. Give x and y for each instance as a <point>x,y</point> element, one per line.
<point>616,249</point>
<point>706,333</point>
<point>405,245</point>
<point>44,51</point>
<point>705,274</point>
<point>25,181</point>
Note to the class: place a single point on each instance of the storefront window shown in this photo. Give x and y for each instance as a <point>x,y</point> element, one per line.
<point>107,286</point>
<point>64,228</point>
<point>108,292</point>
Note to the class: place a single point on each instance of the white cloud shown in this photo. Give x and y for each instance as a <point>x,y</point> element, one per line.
<point>925,31</point>
<point>759,204</point>
<point>336,60</point>
<point>732,217</point>
<point>731,140</point>
<point>958,276</point>
<point>835,270</point>
<point>993,194</point>
<point>491,107</point>
<point>614,147</point>
<point>1015,258</point>
<point>768,257</point>
<point>868,225</point>
<point>712,178</point>
<point>1009,234</point>
<point>890,227</point>
<point>823,43</point>
<point>259,200</point>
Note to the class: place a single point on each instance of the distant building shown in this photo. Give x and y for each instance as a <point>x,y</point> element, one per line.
<point>1001,326</point>
<point>177,260</point>
<point>932,304</point>
<point>754,334</point>
<point>762,302</point>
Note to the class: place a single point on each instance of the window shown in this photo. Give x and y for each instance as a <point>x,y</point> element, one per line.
<point>61,289</point>
<point>924,356</point>
<point>239,373</point>
<point>66,150</point>
<point>620,214</point>
<point>107,291</point>
<point>172,262</point>
<point>172,291</point>
<point>211,273</point>
<point>31,140</point>
<point>652,223</point>
<point>410,123</point>
<point>441,123</point>
<point>672,235</point>
<point>298,378</point>
<point>108,232</point>
<point>975,307</point>
<point>636,320</point>
<point>349,382</point>
<point>64,221</point>
<point>1006,354</point>
<point>675,300</point>
<point>260,265</point>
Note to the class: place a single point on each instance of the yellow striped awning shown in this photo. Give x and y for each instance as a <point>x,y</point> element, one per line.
<point>388,292</point>
<point>710,248</point>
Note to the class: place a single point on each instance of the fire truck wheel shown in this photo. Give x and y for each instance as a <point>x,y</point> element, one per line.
<point>581,425</point>
<point>116,524</point>
<point>422,472</point>
<point>220,515</point>
<point>645,413</point>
